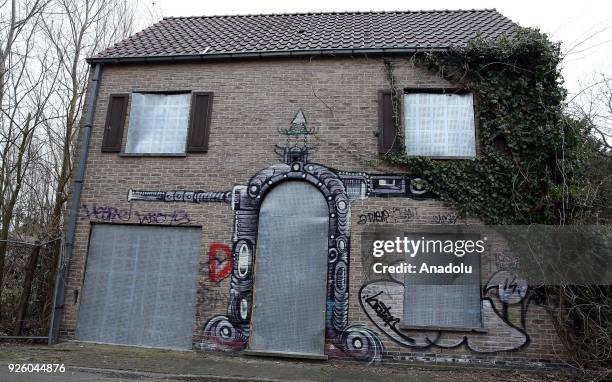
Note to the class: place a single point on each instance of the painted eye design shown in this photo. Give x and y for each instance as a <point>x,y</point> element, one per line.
<point>418,186</point>
<point>243,260</point>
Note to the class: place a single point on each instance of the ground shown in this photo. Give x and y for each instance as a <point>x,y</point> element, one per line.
<point>92,362</point>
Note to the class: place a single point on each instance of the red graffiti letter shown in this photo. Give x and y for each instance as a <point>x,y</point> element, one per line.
<point>226,264</point>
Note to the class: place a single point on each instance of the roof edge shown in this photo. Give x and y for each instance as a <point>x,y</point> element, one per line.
<point>335,13</point>
<point>259,54</point>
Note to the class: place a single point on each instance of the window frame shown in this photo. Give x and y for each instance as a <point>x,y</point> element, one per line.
<point>465,329</point>
<point>444,90</point>
<point>124,153</point>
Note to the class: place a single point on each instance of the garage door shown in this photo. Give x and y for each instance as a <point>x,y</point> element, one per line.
<point>140,286</point>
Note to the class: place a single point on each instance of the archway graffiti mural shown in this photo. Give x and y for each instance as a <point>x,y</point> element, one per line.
<point>231,331</point>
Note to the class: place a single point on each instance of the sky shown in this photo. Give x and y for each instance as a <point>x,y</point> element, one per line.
<point>583,27</point>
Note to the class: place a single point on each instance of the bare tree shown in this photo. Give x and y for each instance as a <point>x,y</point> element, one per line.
<point>84,28</point>
<point>13,25</point>
<point>24,74</point>
<point>593,104</point>
<point>43,80</point>
<point>75,29</point>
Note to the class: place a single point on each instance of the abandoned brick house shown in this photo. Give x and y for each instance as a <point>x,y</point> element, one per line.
<point>229,166</point>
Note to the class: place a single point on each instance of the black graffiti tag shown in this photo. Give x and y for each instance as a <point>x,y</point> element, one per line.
<point>177,217</point>
<point>393,215</point>
<point>108,213</point>
<point>445,219</point>
<point>382,311</point>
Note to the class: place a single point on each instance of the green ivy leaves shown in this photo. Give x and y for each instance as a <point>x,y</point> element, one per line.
<point>536,173</point>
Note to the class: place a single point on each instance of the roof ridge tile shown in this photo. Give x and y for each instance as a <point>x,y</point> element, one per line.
<point>333,13</point>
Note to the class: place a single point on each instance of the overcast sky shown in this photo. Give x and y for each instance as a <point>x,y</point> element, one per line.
<point>583,27</point>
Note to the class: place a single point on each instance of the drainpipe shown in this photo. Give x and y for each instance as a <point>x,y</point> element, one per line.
<point>62,272</point>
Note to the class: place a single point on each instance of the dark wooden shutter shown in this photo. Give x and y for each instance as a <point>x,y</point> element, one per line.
<point>387,141</point>
<point>115,119</point>
<point>199,122</point>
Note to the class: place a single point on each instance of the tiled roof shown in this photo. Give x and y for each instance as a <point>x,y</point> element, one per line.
<point>308,33</point>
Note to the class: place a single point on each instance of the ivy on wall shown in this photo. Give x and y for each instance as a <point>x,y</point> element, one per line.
<point>530,165</point>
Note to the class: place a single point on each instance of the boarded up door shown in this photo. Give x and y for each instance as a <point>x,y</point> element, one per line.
<point>288,316</point>
<point>140,286</point>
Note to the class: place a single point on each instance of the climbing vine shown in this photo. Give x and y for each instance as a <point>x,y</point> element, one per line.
<point>535,164</point>
<point>530,164</point>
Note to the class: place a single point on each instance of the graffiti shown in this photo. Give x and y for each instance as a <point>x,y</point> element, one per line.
<point>220,262</point>
<point>107,213</point>
<point>381,300</point>
<point>509,288</point>
<point>361,343</point>
<point>220,334</point>
<point>179,196</point>
<point>176,217</point>
<point>374,217</point>
<point>502,290</point>
<point>112,214</point>
<point>231,331</point>
<point>394,215</point>
<point>297,148</point>
<point>506,261</point>
<point>382,311</point>
<point>445,219</point>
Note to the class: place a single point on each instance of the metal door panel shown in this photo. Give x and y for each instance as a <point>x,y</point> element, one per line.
<point>291,271</point>
<point>140,286</point>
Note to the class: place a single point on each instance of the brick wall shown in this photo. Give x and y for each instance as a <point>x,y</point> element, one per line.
<point>252,100</point>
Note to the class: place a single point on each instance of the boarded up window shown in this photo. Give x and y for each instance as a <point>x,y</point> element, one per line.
<point>439,125</point>
<point>158,123</point>
<point>115,119</point>
<point>441,299</point>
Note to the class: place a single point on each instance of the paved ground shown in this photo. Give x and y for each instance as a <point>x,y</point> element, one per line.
<point>69,376</point>
<point>94,363</point>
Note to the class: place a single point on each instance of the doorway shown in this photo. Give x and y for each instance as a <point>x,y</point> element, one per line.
<point>290,281</point>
